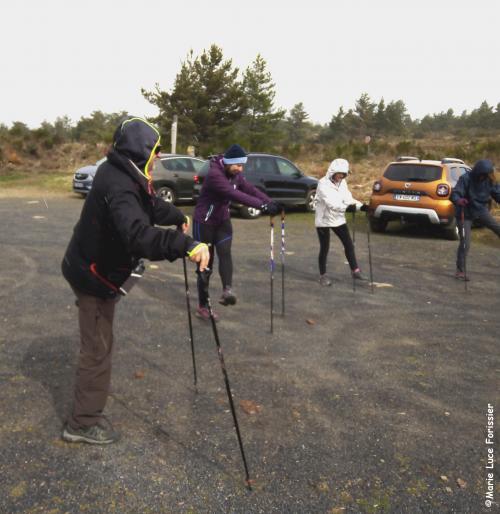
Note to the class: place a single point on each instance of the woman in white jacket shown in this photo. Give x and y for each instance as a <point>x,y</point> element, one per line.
<point>333,198</point>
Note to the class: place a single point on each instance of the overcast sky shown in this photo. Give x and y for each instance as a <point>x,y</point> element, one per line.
<point>68,57</point>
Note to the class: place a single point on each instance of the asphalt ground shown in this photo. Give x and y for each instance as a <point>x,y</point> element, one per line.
<point>360,401</point>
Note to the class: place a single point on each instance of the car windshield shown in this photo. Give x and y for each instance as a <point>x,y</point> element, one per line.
<point>413,172</point>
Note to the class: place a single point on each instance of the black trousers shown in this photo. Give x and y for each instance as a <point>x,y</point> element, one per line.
<point>220,238</point>
<point>342,232</point>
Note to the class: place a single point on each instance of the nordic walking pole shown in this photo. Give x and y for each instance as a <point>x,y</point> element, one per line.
<point>188,306</point>
<point>369,251</point>
<point>271,265</point>
<point>204,276</point>
<point>282,254</point>
<point>354,244</point>
<point>462,219</point>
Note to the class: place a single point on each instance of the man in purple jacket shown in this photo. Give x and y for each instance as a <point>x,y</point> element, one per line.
<point>224,184</point>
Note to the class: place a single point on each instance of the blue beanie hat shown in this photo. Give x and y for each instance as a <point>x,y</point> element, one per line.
<point>235,155</point>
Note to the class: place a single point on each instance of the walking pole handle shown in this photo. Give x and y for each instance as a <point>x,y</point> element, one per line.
<point>204,275</point>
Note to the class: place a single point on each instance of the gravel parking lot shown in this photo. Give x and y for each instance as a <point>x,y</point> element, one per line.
<point>359,402</point>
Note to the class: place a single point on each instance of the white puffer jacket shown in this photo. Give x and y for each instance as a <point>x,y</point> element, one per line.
<point>331,202</point>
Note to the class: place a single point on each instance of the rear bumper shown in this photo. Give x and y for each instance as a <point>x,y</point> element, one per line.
<point>388,212</point>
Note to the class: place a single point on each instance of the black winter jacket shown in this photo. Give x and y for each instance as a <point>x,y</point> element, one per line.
<point>117,223</point>
<point>478,192</point>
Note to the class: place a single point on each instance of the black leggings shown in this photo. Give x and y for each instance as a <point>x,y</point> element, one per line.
<point>220,238</point>
<point>342,232</point>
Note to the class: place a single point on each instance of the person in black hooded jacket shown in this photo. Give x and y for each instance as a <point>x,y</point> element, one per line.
<point>471,196</point>
<point>117,228</point>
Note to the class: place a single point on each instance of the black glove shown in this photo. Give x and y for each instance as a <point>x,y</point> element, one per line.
<point>271,208</point>
<point>364,208</point>
<point>351,208</point>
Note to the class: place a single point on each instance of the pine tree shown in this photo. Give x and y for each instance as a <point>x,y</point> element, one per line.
<point>365,109</point>
<point>260,124</point>
<point>380,123</point>
<point>297,123</point>
<point>397,118</point>
<point>207,98</point>
<point>337,125</point>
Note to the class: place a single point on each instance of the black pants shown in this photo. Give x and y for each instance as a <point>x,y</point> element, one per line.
<point>342,232</point>
<point>220,238</point>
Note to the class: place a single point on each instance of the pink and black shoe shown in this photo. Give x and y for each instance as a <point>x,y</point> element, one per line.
<point>356,274</point>
<point>204,314</point>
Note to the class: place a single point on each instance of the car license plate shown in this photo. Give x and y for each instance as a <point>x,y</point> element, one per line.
<point>79,186</point>
<point>407,198</point>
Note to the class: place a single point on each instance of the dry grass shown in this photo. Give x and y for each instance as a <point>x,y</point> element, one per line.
<point>361,178</point>
<point>65,158</point>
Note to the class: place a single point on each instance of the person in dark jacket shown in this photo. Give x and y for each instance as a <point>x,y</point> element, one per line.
<point>471,196</point>
<point>224,184</point>
<point>116,229</point>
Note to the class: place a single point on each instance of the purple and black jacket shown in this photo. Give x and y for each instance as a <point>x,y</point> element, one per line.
<point>220,189</point>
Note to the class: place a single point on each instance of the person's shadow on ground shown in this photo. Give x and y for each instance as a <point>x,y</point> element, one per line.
<point>51,362</point>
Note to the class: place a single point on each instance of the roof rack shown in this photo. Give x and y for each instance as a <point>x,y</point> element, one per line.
<point>446,160</point>
<point>407,158</point>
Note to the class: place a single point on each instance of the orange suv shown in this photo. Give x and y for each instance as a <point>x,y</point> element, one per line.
<point>415,190</point>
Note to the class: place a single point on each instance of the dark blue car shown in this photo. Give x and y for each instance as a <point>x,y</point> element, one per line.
<point>276,176</point>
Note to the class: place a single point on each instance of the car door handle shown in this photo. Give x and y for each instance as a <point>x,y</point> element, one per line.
<point>176,174</point>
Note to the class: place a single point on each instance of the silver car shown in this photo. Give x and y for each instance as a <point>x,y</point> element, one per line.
<point>83,178</point>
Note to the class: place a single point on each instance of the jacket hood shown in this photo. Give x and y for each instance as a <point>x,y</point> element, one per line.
<point>482,167</point>
<point>218,160</point>
<point>337,166</point>
<point>137,140</point>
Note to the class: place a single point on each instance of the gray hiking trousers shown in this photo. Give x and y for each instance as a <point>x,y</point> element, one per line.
<point>485,219</point>
<point>93,376</point>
